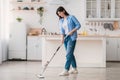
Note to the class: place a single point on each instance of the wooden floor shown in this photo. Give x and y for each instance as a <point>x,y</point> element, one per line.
<point>22,70</point>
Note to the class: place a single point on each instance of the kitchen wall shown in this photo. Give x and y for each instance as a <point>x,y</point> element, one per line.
<point>75,8</point>
<point>31,19</point>
<point>50,22</point>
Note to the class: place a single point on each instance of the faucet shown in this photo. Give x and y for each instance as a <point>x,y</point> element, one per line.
<point>43,31</point>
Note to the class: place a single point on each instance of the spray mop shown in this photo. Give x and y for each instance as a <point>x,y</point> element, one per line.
<point>47,63</point>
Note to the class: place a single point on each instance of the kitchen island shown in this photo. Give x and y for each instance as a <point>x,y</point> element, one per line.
<point>90,51</point>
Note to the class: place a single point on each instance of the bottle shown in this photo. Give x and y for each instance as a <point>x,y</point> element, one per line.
<point>84,32</point>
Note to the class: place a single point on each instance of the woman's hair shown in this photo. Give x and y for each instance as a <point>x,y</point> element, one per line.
<point>61,9</point>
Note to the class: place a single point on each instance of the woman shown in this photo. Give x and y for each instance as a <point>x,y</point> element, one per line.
<point>68,27</point>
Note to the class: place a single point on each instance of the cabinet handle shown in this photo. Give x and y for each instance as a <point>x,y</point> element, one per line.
<point>107,42</point>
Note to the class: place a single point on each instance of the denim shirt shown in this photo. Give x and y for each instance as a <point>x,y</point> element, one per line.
<point>72,23</point>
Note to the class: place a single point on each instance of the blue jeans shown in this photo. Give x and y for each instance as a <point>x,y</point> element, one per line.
<point>70,58</point>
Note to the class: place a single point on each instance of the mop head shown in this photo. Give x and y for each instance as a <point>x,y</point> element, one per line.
<point>40,76</point>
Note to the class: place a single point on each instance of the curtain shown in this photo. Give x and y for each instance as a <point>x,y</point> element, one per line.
<point>4,27</point>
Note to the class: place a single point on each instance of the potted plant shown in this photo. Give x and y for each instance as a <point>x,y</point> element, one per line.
<point>19,19</point>
<point>40,11</point>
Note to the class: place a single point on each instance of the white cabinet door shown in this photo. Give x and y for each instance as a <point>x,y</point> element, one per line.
<point>17,42</point>
<point>31,47</point>
<point>103,9</point>
<point>17,36</point>
<point>39,49</point>
<point>117,8</point>
<point>111,49</point>
<point>34,51</point>
<point>118,49</point>
<point>91,8</point>
<point>17,54</point>
<point>0,53</point>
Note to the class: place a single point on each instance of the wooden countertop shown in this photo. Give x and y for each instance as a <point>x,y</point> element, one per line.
<point>106,36</point>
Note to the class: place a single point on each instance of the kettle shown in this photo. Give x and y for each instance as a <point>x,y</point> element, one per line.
<point>108,26</point>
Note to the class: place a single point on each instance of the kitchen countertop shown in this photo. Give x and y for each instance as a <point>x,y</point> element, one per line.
<point>94,56</point>
<point>106,36</point>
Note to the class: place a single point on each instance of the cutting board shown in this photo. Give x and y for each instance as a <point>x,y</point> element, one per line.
<point>116,25</point>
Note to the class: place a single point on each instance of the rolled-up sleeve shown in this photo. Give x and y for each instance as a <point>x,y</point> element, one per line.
<point>62,31</point>
<point>77,24</point>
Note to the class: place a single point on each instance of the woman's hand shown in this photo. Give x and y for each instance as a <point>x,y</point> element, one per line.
<point>71,32</point>
<point>62,40</point>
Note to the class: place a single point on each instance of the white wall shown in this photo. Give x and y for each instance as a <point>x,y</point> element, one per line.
<point>0,36</point>
<point>76,8</point>
<point>50,22</point>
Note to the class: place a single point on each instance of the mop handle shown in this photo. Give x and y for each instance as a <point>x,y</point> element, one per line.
<point>55,53</point>
<point>50,60</point>
<point>52,56</point>
<point>56,50</point>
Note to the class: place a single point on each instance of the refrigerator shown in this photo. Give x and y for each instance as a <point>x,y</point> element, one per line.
<point>0,52</point>
<point>17,41</point>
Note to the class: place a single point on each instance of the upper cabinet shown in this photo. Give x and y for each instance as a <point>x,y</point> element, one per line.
<point>91,9</point>
<point>102,9</point>
<point>117,8</point>
<point>105,10</point>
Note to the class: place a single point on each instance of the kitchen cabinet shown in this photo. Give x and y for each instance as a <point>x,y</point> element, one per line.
<point>105,9</point>
<point>112,49</point>
<point>117,8</point>
<point>118,49</point>
<point>91,8</point>
<point>102,10</point>
<point>0,52</point>
<point>34,48</point>
<point>0,36</point>
<point>17,41</point>
<point>89,52</point>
